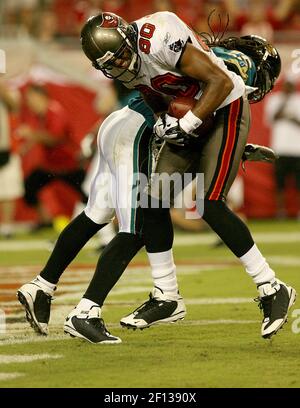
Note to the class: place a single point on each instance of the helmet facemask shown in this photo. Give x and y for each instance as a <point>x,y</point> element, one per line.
<point>263,82</point>
<point>265,72</point>
<point>265,57</point>
<point>106,62</point>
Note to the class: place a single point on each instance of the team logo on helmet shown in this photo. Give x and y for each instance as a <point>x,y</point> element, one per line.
<point>107,37</point>
<point>109,20</point>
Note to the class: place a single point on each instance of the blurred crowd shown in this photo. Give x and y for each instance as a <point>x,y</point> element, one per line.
<point>49,19</point>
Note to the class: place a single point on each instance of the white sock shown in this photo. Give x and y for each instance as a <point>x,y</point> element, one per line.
<point>85,304</point>
<point>257,266</point>
<point>163,271</point>
<point>49,287</point>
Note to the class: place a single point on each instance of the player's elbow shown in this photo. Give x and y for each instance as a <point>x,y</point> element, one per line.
<point>227,85</point>
<point>222,84</point>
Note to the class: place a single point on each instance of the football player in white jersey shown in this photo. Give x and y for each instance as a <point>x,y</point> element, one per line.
<point>124,150</point>
<point>112,38</point>
<point>124,145</point>
<point>163,58</point>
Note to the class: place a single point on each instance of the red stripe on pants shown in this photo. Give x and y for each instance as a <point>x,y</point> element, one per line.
<point>232,134</point>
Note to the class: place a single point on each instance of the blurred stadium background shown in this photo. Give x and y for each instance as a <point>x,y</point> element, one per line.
<point>41,41</point>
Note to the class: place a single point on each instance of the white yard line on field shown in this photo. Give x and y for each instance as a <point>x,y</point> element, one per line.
<point>182,240</point>
<point>19,332</point>
<point>125,290</point>
<point>10,376</point>
<point>15,339</point>
<point>32,338</point>
<point>134,273</point>
<point>219,321</point>
<point>217,301</point>
<point>11,359</point>
<point>285,260</point>
<point>76,295</point>
<point>34,244</point>
<point>260,237</point>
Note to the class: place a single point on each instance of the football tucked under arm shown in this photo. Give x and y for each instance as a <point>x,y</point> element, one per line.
<point>179,125</point>
<point>179,106</point>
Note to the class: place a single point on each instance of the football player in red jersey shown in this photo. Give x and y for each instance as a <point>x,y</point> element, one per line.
<point>46,133</point>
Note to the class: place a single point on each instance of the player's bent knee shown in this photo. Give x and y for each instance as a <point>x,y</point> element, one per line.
<point>213,208</point>
<point>100,217</point>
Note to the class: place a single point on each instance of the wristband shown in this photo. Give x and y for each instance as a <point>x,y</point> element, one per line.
<point>189,122</point>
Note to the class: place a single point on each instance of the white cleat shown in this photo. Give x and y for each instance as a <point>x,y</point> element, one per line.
<point>36,300</point>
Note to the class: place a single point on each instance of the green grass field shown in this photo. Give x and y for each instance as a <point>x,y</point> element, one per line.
<point>217,345</point>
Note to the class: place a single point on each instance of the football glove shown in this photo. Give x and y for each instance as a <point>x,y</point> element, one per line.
<point>167,128</point>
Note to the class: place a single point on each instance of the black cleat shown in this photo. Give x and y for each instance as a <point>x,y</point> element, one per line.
<point>160,308</point>
<point>88,325</point>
